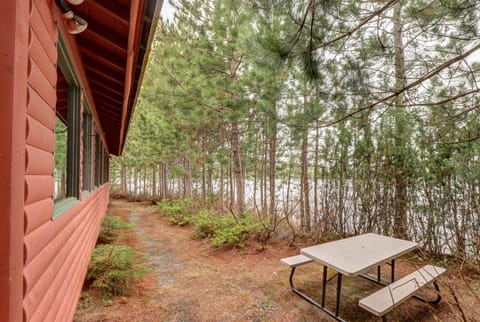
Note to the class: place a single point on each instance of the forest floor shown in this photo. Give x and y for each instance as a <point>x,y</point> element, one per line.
<point>190,280</point>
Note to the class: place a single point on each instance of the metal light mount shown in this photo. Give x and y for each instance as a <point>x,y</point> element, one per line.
<point>75,24</point>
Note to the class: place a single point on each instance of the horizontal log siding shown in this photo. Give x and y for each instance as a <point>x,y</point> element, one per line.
<point>56,252</point>
<point>54,278</point>
<point>37,214</point>
<point>72,288</point>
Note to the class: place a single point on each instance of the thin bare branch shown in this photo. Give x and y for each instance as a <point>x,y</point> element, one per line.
<point>419,81</point>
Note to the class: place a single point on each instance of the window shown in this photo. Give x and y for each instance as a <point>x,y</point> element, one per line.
<point>101,162</point>
<point>67,135</point>
<point>87,155</point>
<point>60,170</point>
<point>81,160</point>
<point>73,142</point>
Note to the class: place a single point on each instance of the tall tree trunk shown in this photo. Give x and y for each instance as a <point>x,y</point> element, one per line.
<point>342,186</point>
<point>315,178</point>
<point>255,176</point>
<point>204,183</point>
<point>154,181</point>
<point>304,194</point>
<point>305,189</point>
<point>231,186</point>
<point>188,178</point>
<point>400,201</point>
<point>204,187</point>
<point>63,184</point>
<point>123,177</point>
<point>221,189</point>
<point>160,180</point>
<point>144,181</point>
<point>210,193</point>
<point>164,181</point>
<point>263,183</point>
<point>272,171</point>
<point>287,197</point>
<point>135,182</point>
<point>238,169</point>
<point>179,179</point>
<point>221,179</point>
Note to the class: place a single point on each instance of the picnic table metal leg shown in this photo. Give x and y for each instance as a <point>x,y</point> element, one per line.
<point>324,284</point>
<point>339,289</point>
<point>312,301</point>
<point>291,278</point>
<point>393,270</point>
<point>436,300</point>
<point>378,280</point>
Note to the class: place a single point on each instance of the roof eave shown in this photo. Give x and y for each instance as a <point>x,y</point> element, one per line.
<point>150,18</point>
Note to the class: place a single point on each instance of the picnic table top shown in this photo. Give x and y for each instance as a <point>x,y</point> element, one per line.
<point>356,255</point>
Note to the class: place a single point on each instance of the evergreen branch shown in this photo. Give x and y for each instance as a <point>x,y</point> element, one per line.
<point>221,71</point>
<point>237,66</point>
<point>218,109</point>
<point>468,110</point>
<point>419,81</point>
<point>447,100</point>
<point>360,25</point>
<point>296,36</point>
<point>469,140</point>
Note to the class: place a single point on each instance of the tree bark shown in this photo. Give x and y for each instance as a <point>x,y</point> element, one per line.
<point>315,178</point>
<point>123,175</point>
<point>238,169</point>
<point>272,172</point>
<point>305,193</point>
<point>154,181</point>
<point>188,178</point>
<point>400,201</point>
<point>221,179</point>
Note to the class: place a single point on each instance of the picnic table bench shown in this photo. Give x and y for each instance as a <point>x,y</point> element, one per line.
<point>357,255</point>
<point>384,300</point>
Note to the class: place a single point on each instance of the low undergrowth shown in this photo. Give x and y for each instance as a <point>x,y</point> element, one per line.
<point>177,212</point>
<point>110,229</point>
<point>113,267</point>
<point>223,230</point>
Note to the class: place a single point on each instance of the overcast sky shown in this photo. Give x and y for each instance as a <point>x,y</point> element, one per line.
<point>167,11</point>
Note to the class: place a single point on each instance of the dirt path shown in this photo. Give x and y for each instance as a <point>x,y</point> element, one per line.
<point>191,281</point>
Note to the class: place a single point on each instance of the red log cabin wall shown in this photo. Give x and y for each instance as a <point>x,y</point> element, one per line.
<point>13,75</point>
<point>44,258</point>
<point>56,252</point>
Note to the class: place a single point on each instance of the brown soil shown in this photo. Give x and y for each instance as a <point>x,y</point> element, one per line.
<point>189,280</point>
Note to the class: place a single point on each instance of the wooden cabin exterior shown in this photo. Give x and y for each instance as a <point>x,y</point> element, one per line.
<point>88,81</point>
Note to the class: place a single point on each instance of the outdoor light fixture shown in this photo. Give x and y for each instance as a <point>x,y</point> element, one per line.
<point>75,24</point>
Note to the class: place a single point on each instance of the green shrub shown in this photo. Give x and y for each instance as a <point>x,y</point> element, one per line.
<point>177,212</point>
<point>113,269</point>
<point>233,233</point>
<point>206,223</point>
<point>225,231</point>
<point>109,231</point>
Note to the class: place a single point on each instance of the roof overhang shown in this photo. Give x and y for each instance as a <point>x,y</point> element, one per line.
<point>112,54</point>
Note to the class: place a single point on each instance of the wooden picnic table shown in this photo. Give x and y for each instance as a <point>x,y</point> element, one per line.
<point>355,256</point>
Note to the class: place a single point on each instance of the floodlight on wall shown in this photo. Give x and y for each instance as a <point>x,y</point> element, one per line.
<point>75,24</point>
